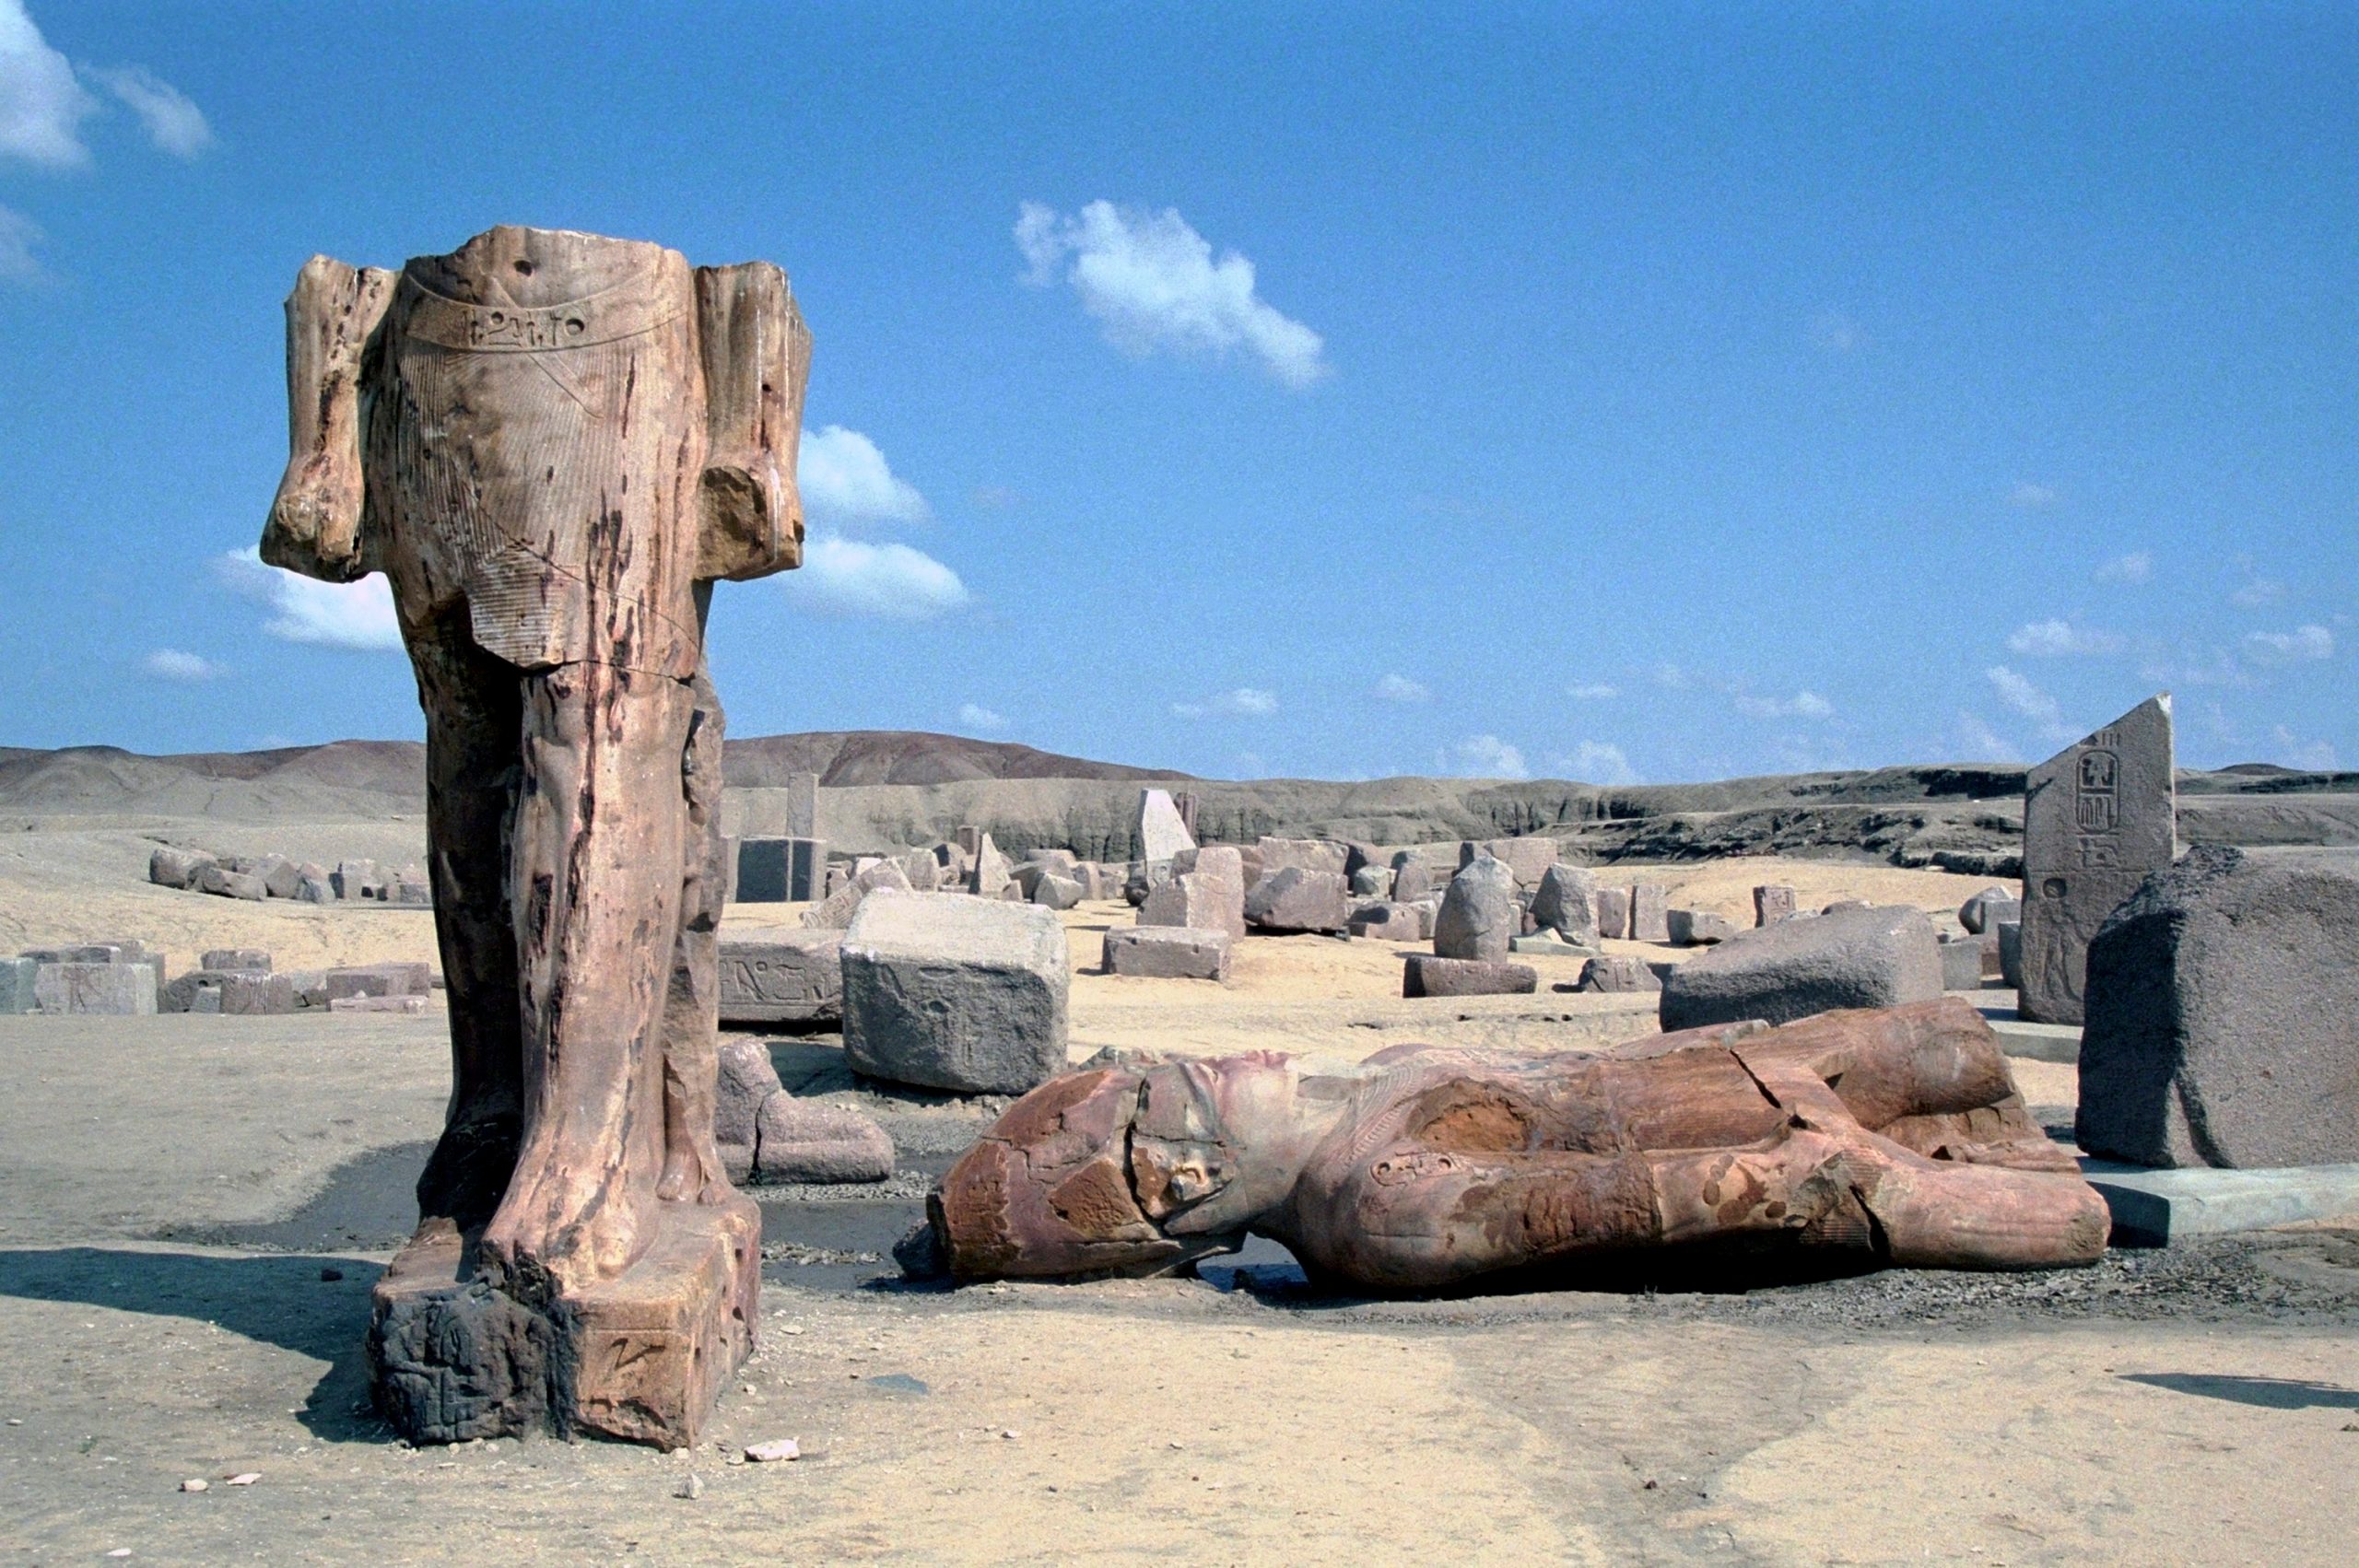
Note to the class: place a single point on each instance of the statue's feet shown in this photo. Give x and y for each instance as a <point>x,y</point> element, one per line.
<point>572,1217</point>
<point>693,1173</point>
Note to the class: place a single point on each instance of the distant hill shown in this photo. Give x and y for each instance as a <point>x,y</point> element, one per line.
<point>369,777</point>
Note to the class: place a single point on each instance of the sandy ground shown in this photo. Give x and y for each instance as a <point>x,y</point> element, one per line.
<point>191,1210</point>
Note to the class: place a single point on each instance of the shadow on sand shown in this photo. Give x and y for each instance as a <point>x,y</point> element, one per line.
<point>2269,1393</point>
<point>313,1305</point>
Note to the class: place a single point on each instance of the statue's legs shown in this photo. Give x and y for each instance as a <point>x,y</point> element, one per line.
<point>692,1166</point>
<point>473,705</point>
<point>589,1303</point>
<point>594,878</point>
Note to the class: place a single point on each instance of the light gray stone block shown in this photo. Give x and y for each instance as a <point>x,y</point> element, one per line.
<point>1650,912</point>
<point>1325,856</point>
<point>782,977</point>
<point>247,994</point>
<point>235,958</point>
<point>1697,928</point>
<point>1771,903</point>
<point>1564,901</point>
<point>17,993</point>
<point>1961,964</point>
<point>1860,957</point>
<point>1053,892</point>
<point>1371,881</point>
<point>1180,953</point>
<point>1479,916</point>
<point>171,867</point>
<point>1389,922</point>
<point>225,884</point>
<point>1527,859</point>
<point>811,1141</point>
<point>110,990</point>
<point>358,879</point>
<point>2156,1208</point>
<point>1292,899</point>
<point>2222,999</point>
<point>376,980</point>
<point>835,911</point>
<point>1161,834</point>
<point>1429,974</point>
<point>1618,973</point>
<point>968,994</point>
<point>1980,913</point>
<point>1613,912</point>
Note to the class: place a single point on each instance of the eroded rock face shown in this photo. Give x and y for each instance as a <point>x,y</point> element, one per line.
<point>1861,956</point>
<point>2221,999</point>
<point>947,992</point>
<point>1479,915</point>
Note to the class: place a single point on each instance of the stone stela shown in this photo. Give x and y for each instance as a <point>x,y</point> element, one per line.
<point>2098,818</point>
<point>552,444</point>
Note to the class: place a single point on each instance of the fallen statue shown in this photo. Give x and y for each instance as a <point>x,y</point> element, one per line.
<point>1843,1142</point>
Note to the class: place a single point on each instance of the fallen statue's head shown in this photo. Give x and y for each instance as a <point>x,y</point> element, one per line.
<point>1133,1167</point>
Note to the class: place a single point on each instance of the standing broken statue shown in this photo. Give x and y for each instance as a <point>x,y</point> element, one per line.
<point>552,444</point>
<point>1847,1140</point>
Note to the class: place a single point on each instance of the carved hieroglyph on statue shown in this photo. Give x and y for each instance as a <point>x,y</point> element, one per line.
<point>552,444</point>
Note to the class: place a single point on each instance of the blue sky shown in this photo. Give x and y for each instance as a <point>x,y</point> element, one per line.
<point>1617,393</point>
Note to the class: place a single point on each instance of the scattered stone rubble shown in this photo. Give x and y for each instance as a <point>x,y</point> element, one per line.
<point>126,980</point>
<point>275,876</point>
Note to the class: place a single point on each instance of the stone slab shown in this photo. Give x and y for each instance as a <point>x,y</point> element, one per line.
<point>1430,974</point>
<point>2038,1042</point>
<point>949,992</point>
<point>17,994</point>
<point>781,870</point>
<point>113,989</point>
<point>1177,952</point>
<point>2098,818</point>
<point>2155,1208</point>
<point>782,977</point>
<point>1161,832</point>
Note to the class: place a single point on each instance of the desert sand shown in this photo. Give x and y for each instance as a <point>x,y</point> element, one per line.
<point>195,1207</point>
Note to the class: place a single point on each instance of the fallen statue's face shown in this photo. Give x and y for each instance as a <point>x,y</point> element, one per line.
<point>1120,1170</point>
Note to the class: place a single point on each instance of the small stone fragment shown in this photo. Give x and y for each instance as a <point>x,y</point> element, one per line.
<point>779,1450</point>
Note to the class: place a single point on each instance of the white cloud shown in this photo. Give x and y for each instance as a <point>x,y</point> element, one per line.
<point>1488,756</point>
<point>19,235</point>
<point>2299,646</point>
<point>2317,756</point>
<point>1835,333</point>
<point>1400,689</point>
<point>1671,677</point>
<point>330,614</point>
<point>975,716</point>
<point>848,576</point>
<point>2031,702</point>
<point>173,122</point>
<point>41,104</point>
<point>1593,691</point>
<point>1245,702</point>
<point>1596,762</point>
<point>1801,705</point>
<point>2030,498</point>
<point>2261,590</point>
<point>2136,566</point>
<point>2055,639</point>
<point>188,669</point>
<point>844,479</point>
<point>1151,282</point>
<point>1982,742</point>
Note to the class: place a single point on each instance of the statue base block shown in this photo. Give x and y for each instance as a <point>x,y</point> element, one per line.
<point>641,1357</point>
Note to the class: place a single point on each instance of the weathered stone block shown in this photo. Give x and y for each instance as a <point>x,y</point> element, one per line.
<point>805,1140</point>
<point>2220,1004</point>
<point>170,867</point>
<point>1479,914</point>
<point>358,879</point>
<point>1053,892</point>
<point>1325,856</point>
<point>781,870</point>
<point>1771,903</point>
<point>113,989</point>
<point>1293,899</point>
<point>281,876</point>
<point>226,884</point>
<point>1650,912</point>
<point>835,912</point>
<point>1371,881</point>
<point>1178,953</point>
<point>235,958</point>
<point>411,1005</point>
<point>1980,913</point>
<point>1430,974</point>
<point>782,977</point>
<point>1864,957</point>
<point>17,993</point>
<point>1411,880</point>
<point>954,993</point>
<point>1613,912</point>
<point>1528,858</point>
<point>1210,896</point>
<point>1161,834</point>
<point>1618,973</point>
<point>2098,818</point>
<point>1961,964</point>
<point>377,980</point>
<point>1389,922</point>
<point>1564,901</point>
<point>1696,927</point>
<point>992,873</point>
<point>2011,953</point>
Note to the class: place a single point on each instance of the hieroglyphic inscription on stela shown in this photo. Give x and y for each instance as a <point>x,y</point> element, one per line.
<point>2098,816</point>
